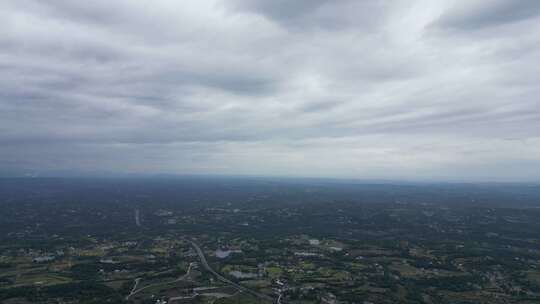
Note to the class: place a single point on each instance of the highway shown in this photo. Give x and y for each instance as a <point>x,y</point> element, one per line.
<point>138,280</point>
<point>225,280</point>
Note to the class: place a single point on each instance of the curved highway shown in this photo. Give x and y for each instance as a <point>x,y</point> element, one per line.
<point>224,279</point>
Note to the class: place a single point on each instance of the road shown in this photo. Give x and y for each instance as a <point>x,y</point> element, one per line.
<point>137,281</point>
<point>224,279</point>
<point>279,298</point>
<point>134,289</point>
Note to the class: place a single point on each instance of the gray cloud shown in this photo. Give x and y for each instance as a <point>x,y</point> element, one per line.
<point>397,89</point>
<point>317,14</point>
<point>481,14</point>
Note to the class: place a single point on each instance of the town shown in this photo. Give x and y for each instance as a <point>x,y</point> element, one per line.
<point>273,243</point>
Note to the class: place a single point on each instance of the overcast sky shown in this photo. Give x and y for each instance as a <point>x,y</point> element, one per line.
<point>431,89</point>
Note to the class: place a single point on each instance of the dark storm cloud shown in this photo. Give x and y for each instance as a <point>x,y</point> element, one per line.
<point>481,14</point>
<point>406,89</point>
<point>317,14</point>
<point>281,9</point>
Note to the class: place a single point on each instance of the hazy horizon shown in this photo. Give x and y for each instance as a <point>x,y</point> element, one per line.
<point>366,90</point>
<point>254,177</point>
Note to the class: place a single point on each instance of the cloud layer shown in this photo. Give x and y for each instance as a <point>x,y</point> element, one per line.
<point>364,89</point>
